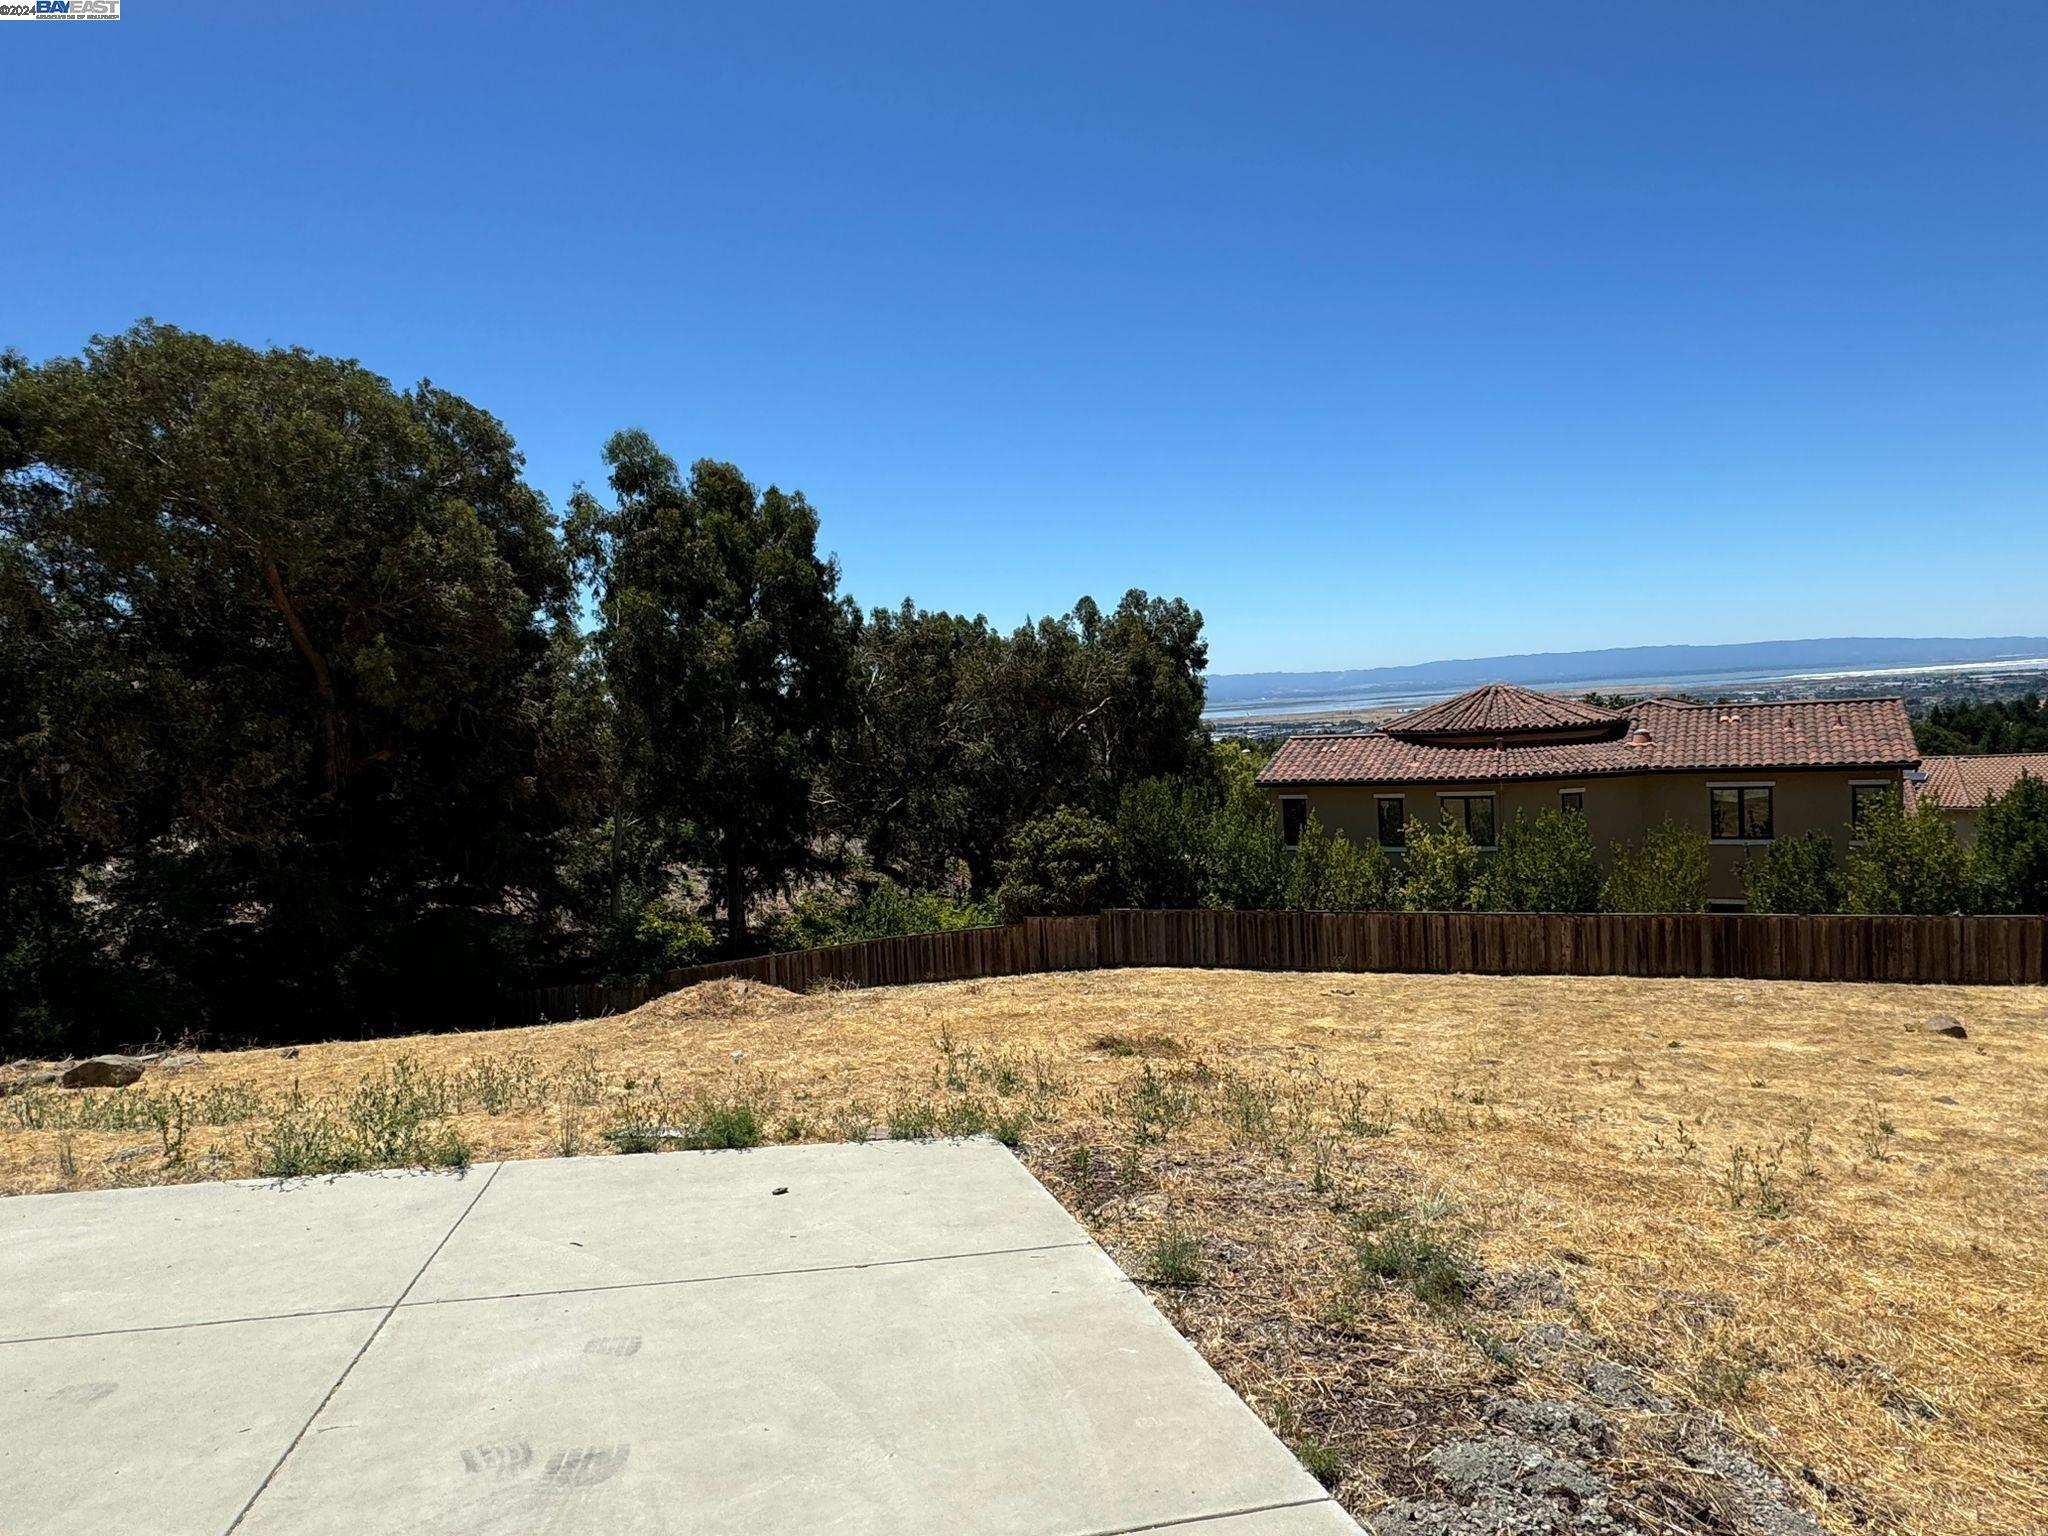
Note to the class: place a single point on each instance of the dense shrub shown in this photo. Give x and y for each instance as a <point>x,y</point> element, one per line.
<point>1795,875</point>
<point>2009,862</point>
<point>1161,826</point>
<point>1441,866</point>
<point>885,912</point>
<point>1245,865</point>
<point>1906,861</point>
<point>1331,874</point>
<point>672,935</point>
<point>1545,865</point>
<point>1059,865</point>
<point>1666,872</point>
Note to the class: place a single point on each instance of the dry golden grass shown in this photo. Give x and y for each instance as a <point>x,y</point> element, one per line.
<point>1784,1201</point>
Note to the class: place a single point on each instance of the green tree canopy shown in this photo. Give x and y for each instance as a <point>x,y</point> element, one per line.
<point>2009,860</point>
<point>1060,865</point>
<point>1440,868</point>
<point>963,735</point>
<point>1331,874</point>
<point>1666,872</point>
<point>1545,865</point>
<point>1906,861</point>
<point>728,655</point>
<point>1795,875</point>
<point>281,645</point>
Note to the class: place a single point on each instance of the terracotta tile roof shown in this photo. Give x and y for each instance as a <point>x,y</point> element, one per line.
<point>1502,709</point>
<point>1662,736</point>
<point>1961,782</point>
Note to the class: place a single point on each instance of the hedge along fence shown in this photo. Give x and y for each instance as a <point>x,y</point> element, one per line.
<point>1995,951</point>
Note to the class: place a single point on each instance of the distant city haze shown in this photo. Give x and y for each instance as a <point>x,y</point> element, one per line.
<point>1630,669</point>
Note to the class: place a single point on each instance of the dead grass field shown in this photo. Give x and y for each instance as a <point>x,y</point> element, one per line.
<point>1376,1203</point>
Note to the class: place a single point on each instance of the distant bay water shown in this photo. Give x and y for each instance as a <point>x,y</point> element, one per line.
<point>1268,695</point>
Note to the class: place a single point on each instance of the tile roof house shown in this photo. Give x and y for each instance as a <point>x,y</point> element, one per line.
<point>1743,773</point>
<point>1961,785</point>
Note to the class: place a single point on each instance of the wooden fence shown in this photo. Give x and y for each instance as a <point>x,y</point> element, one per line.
<point>1996,951</point>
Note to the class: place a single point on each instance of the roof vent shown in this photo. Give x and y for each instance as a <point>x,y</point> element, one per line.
<point>1639,737</point>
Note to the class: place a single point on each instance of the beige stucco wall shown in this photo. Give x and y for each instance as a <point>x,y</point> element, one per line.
<point>1620,809</point>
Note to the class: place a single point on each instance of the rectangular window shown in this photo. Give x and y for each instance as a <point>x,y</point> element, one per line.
<point>1472,812</point>
<point>1293,817</point>
<point>1572,801</point>
<point>1393,821</point>
<point>1863,796</point>
<point>1726,906</point>
<point>1739,813</point>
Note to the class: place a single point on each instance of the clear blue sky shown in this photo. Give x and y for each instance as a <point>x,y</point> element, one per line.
<point>1380,332</point>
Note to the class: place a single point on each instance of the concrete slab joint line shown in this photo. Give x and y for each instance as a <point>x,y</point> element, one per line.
<point>397,1302</point>
<point>904,1336</point>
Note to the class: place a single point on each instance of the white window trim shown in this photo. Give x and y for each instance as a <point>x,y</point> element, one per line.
<point>1283,799</point>
<point>1477,794</point>
<point>1390,848</point>
<point>1741,842</point>
<point>1570,789</point>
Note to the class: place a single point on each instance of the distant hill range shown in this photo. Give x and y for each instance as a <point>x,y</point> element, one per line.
<point>1672,665</point>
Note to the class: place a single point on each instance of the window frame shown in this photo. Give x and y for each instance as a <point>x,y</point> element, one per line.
<point>1725,905</point>
<point>1568,809</point>
<point>1400,823</point>
<point>1468,795</point>
<point>1301,827</point>
<point>1742,789</point>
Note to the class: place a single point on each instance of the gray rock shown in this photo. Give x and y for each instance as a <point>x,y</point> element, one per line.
<point>1765,1503</point>
<point>1483,1517</point>
<point>1514,1288</point>
<point>103,1072</point>
<point>22,1082</point>
<point>1548,1339</point>
<point>1942,1024</point>
<point>1614,1385</point>
<point>1571,1429</point>
<point>1503,1466</point>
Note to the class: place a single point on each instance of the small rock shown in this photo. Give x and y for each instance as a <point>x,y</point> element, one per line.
<point>1572,1429</point>
<point>1942,1024</point>
<point>1614,1385</point>
<point>181,1062</point>
<point>1514,1288</point>
<point>1503,1465</point>
<point>1549,1339</point>
<point>26,1081</point>
<point>102,1072</point>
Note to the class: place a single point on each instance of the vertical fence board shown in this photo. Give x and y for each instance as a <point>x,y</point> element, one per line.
<point>1994,951</point>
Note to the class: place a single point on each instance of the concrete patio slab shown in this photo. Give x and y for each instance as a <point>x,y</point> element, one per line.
<point>912,1337</point>
<point>1039,1390</point>
<point>200,1253</point>
<point>580,1222</point>
<point>161,1433</point>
